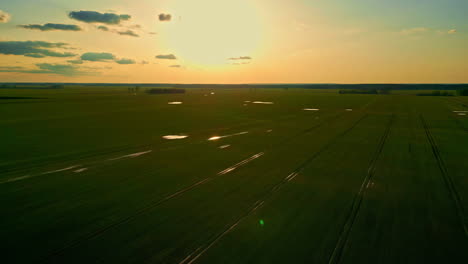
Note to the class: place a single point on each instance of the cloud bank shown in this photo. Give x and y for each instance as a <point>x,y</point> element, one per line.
<point>165,17</point>
<point>241,58</point>
<point>166,57</point>
<point>97,57</point>
<point>129,32</point>
<point>102,57</point>
<point>48,68</point>
<point>96,17</point>
<point>51,27</point>
<point>34,49</point>
<point>125,61</point>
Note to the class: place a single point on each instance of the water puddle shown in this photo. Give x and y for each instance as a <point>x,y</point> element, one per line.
<point>260,102</point>
<point>349,110</point>
<point>269,130</point>
<point>224,146</point>
<point>175,103</point>
<point>231,135</point>
<point>234,167</point>
<point>174,137</point>
<point>462,114</point>
<point>133,155</point>
<point>291,176</point>
<point>60,170</point>
<point>44,173</point>
<point>80,170</point>
<point>370,184</point>
<point>16,179</point>
<point>311,109</point>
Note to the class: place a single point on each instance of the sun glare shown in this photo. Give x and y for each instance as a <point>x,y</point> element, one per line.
<point>209,32</point>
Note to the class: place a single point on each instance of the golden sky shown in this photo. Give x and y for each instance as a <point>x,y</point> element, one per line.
<point>234,41</point>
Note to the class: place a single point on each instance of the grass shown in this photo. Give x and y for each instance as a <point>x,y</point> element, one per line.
<point>384,183</point>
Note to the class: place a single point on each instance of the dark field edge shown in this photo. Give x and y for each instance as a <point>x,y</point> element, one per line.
<point>260,203</point>
<point>446,176</point>
<point>395,86</point>
<point>357,200</point>
<point>178,193</point>
<point>18,97</point>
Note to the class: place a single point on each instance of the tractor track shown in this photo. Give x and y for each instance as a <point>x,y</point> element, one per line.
<point>194,256</point>
<point>446,176</point>
<point>178,193</point>
<point>338,250</point>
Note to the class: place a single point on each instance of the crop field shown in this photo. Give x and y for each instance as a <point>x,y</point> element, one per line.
<point>108,175</point>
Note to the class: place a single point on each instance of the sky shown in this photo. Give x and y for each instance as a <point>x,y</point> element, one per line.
<point>234,41</point>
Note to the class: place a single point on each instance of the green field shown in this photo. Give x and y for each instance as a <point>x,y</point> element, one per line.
<point>87,177</point>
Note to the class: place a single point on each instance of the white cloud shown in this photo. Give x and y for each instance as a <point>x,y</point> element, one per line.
<point>4,17</point>
<point>413,31</point>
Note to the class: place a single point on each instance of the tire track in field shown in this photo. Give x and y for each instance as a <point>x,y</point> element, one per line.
<point>194,256</point>
<point>446,176</point>
<point>180,192</point>
<point>357,200</point>
<point>90,154</point>
<point>150,207</point>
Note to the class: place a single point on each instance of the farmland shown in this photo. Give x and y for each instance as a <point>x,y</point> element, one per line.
<point>231,175</point>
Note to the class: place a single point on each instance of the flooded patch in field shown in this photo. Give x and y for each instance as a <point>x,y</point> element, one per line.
<point>60,170</point>
<point>269,130</point>
<point>16,179</point>
<point>462,114</point>
<point>224,146</point>
<point>234,167</point>
<point>44,173</point>
<point>349,110</point>
<point>80,170</point>
<point>133,155</point>
<point>260,102</point>
<point>460,111</point>
<point>231,135</point>
<point>311,109</point>
<point>175,103</point>
<point>212,93</point>
<point>291,176</point>
<point>174,137</point>
<point>247,101</point>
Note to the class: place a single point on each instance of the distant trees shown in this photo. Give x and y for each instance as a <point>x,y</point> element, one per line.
<point>367,91</point>
<point>436,93</point>
<point>32,86</point>
<point>165,91</point>
<point>463,92</point>
<point>384,90</point>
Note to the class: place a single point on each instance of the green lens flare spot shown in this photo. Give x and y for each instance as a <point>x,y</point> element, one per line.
<point>262,223</point>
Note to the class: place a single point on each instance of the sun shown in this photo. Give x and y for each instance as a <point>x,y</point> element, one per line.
<point>209,32</point>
